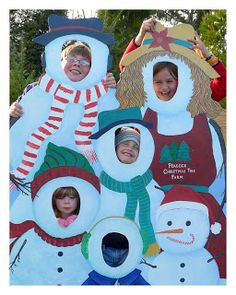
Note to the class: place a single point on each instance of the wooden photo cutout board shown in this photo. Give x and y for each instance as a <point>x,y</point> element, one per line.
<point>127,210</point>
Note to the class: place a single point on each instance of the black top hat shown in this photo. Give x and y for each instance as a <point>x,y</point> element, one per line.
<point>61,26</point>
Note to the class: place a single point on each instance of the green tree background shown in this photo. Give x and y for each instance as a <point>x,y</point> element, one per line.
<point>25,55</point>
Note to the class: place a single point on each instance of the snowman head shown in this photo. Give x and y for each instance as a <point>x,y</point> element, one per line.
<point>185,219</point>
<point>115,127</point>
<point>113,246</point>
<point>167,45</point>
<point>64,168</point>
<point>63,31</point>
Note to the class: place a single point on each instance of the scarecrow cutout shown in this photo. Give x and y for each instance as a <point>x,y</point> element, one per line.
<point>60,110</point>
<point>189,146</point>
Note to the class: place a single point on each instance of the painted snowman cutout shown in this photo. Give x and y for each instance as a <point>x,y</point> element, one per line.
<point>60,110</point>
<point>128,189</point>
<point>114,248</point>
<point>184,221</point>
<point>188,149</point>
<point>44,252</point>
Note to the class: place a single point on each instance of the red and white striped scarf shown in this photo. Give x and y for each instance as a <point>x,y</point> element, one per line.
<point>62,96</point>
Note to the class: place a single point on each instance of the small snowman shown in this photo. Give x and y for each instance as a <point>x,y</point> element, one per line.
<point>185,220</point>
<point>59,109</point>
<point>45,249</point>
<point>113,248</point>
<point>127,187</point>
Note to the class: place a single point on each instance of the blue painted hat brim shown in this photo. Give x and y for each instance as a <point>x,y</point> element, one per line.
<point>108,127</point>
<point>50,36</point>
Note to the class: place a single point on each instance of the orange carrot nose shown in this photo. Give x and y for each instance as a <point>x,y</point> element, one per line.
<point>171,231</point>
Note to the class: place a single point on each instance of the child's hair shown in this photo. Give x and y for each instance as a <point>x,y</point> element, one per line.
<point>75,49</point>
<point>172,68</point>
<point>61,193</point>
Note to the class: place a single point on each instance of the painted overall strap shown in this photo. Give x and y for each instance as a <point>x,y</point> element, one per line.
<point>137,194</point>
<point>62,96</point>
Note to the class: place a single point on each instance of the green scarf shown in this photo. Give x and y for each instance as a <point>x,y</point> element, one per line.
<point>136,193</point>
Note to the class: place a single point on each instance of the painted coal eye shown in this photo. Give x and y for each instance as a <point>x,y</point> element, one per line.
<point>188,223</point>
<point>169,223</point>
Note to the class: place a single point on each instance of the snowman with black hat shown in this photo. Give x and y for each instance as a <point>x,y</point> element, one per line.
<point>127,186</point>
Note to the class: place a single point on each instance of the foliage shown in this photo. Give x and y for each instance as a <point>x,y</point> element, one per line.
<point>19,76</point>
<point>213,32</point>
<point>26,25</point>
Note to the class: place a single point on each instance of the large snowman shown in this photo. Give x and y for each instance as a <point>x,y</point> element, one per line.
<point>189,148</point>
<point>42,251</point>
<point>58,109</point>
<point>114,248</point>
<point>128,189</point>
<point>185,220</point>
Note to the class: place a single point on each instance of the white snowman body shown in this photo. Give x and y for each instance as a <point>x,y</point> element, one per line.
<point>114,203</point>
<point>36,102</point>
<point>41,262</point>
<point>182,234</point>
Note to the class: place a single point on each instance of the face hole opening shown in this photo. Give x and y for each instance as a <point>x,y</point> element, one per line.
<point>76,59</point>
<point>127,144</point>
<point>66,203</point>
<point>165,80</point>
<point>115,249</point>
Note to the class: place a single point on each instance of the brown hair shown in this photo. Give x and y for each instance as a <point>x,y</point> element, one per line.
<point>63,192</point>
<point>75,49</point>
<point>172,68</point>
<point>130,88</point>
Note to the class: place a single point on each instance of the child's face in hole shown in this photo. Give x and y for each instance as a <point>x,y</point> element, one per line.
<point>76,67</point>
<point>76,60</point>
<point>66,202</point>
<point>127,151</point>
<point>164,84</point>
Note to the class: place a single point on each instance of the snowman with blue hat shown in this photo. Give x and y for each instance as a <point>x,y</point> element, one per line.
<point>127,188</point>
<point>59,109</point>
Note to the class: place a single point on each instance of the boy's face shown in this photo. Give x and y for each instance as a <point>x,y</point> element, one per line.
<point>164,85</point>
<point>127,151</point>
<point>76,67</point>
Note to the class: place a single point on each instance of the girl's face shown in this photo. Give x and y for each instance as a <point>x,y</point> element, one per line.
<point>76,67</point>
<point>127,152</point>
<point>164,84</point>
<point>66,205</point>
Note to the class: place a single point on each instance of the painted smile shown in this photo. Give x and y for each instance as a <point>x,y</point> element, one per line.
<point>183,242</point>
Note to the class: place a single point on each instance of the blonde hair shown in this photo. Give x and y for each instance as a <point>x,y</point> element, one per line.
<point>130,88</point>
<point>77,48</point>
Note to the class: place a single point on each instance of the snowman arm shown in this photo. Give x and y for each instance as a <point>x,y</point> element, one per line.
<point>17,257</point>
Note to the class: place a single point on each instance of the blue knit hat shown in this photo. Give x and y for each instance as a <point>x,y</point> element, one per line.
<point>127,133</point>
